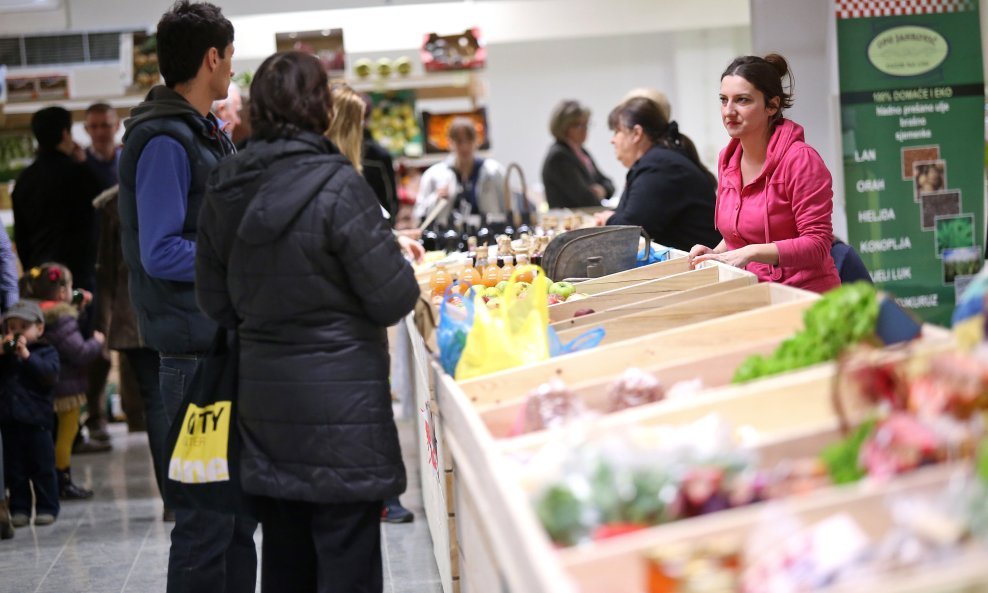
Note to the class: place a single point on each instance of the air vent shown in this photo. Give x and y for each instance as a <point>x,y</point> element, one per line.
<point>10,51</point>
<point>104,47</point>
<point>56,49</point>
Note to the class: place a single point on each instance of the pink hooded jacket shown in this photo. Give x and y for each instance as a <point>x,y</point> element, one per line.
<point>789,204</point>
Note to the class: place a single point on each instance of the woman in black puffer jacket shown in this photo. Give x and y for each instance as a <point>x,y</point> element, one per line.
<point>294,253</point>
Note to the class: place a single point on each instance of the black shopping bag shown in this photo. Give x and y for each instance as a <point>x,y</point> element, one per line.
<point>203,443</point>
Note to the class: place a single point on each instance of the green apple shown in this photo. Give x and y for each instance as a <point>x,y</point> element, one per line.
<point>563,289</point>
<point>491,292</point>
<point>501,286</point>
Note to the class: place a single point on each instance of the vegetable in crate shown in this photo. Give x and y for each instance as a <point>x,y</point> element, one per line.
<point>844,316</point>
<point>634,388</point>
<point>549,405</point>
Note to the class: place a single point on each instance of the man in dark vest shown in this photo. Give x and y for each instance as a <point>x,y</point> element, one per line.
<point>171,145</point>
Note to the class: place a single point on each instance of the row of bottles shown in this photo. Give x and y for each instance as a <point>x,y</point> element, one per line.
<point>450,239</point>
<point>482,270</point>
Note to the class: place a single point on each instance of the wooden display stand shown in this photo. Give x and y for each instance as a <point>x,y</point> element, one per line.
<point>697,330</point>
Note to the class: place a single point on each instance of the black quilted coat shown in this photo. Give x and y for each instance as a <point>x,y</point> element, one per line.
<point>293,252</point>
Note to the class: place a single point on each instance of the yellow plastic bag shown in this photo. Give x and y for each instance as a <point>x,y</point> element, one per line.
<point>513,334</point>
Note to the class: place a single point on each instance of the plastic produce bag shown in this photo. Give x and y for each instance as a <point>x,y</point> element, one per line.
<point>454,326</point>
<point>585,341</point>
<point>513,334</point>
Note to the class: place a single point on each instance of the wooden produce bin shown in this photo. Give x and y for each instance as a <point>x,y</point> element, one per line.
<point>679,286</point>
<point>687,312</point>
<point>503,547</point>
<point>689,342</point>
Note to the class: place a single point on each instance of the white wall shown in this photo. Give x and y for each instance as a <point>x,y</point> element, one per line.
<point>527,79</point>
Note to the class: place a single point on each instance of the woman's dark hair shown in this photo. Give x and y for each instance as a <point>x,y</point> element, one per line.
<point>767,75</point>
<point>185,34</point>
<point>290,94</point>
<point>48,126</point>
<point>639,111</point>
<point>43,282</point>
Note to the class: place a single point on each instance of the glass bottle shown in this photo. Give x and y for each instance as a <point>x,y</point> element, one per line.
<point>492,273</point>
<point>440,281</point>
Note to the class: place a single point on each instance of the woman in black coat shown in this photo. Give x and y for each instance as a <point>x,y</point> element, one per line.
<point>668,192</point>
<point>293,252</point>
<point>570,175</point>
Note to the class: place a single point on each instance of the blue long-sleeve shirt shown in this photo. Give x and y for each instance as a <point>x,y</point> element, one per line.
<point>164,176</point>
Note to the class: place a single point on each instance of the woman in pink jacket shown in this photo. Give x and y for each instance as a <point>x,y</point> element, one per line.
<point>774,196</point>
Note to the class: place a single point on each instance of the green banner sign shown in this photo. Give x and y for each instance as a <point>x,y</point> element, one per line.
<point>912,119</point>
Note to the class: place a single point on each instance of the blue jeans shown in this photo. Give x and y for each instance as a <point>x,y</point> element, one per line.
<point>211,552</point>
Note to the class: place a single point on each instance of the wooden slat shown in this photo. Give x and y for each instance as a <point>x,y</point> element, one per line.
<point>634,276</point>
<point>634,293</point>
<point>634,325</point>
<point>679,344</point>
<point>723,284</point>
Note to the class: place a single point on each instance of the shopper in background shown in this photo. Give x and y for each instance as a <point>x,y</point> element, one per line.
<point>775,199</point>
<point>28,373</point>
<point>570,175</point>
<point>321,449</point>
<point>51,284</point>
<point>52,201</point>
<point>471,184</point>
<point>172,144</point>
<point>850,267</point>
<point>103,154</point>
<point>139,381</point>
<point>378,168</point>
<point>9,288</point>
<point>102,157</point>
<point>667,191</point>
<point>346,131</point>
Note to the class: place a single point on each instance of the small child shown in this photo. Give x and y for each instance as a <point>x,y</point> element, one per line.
<point>28,373</point>
<point>51,283</point>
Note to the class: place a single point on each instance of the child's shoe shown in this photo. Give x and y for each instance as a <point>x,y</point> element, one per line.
<point>6,525</point>
<point>43,519</point>
<point>69,491</point>
<point>20,520</point>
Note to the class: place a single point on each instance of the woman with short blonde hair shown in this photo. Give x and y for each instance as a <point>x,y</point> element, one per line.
<point>569,174</point>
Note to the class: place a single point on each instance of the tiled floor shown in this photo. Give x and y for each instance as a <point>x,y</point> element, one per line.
<point>117,541</point>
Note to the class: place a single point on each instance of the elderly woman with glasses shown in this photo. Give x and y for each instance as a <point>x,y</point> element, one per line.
<point>569,173</point>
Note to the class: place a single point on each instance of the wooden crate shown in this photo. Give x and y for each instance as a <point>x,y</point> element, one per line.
<point>652,293</point>
<point>701,308</point>
<point>684,343</point>
<point>618,566</point>
<point>722,279</point>
<point>799,402</point>
<point>791,414</point>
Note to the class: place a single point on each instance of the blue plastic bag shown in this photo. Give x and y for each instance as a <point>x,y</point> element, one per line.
<point>655,255</point>
<point>585,341</point>
<point>454,326</point>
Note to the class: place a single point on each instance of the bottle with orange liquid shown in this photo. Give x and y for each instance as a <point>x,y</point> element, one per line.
<point>527,276</point>
<point>492,273</point>
<point>440,281</point>
<point>471,275</point>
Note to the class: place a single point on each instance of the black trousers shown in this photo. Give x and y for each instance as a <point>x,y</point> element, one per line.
<point>320,548</point>
<point>29,459</point>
